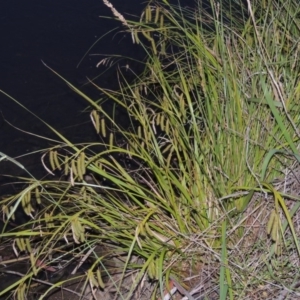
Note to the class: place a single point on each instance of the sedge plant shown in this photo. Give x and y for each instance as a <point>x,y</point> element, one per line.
<point>186,199</point>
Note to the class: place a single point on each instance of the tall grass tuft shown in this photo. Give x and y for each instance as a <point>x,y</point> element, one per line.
<point>195,196</point>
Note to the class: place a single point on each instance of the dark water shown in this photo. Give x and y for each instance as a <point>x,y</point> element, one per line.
<point>59,33</point>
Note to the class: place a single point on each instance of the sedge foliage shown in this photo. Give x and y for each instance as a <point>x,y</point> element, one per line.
<point>214,120</point>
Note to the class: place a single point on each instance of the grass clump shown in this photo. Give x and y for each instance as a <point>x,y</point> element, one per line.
<point>199,195</point>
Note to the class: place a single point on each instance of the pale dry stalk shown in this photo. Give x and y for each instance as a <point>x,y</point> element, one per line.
<point>116,13</point>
